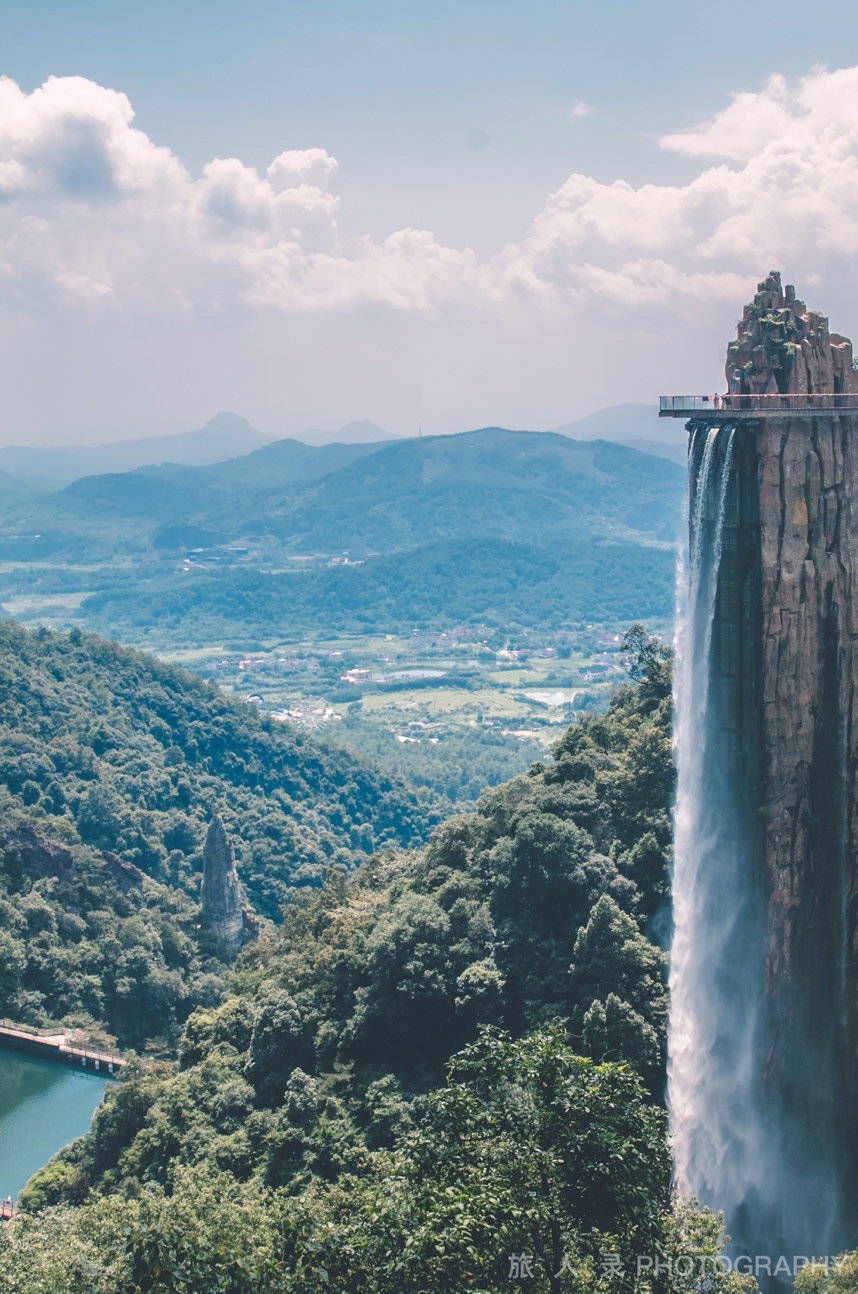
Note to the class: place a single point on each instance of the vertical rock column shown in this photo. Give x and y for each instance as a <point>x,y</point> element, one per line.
<point>807,478</point>
<point>785,666</point>
<point>224,908</point>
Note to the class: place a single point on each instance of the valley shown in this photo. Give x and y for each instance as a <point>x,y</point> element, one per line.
<point>456,706</point>
<point>442,606</point>
<point>444,709</point>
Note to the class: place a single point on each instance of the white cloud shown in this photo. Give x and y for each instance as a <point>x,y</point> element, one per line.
<point>297,167</point>
<point>73,139</point>
<point>742,129</point>
<point>580,109</point>
<point>783,189</point>
<point>93,210</point>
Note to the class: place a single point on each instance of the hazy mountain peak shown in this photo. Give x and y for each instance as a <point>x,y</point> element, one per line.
<point>226,435</point>
<point>228,431</point>
<point>361,432</point>
<point>627,424</point>
<point>227,421</point>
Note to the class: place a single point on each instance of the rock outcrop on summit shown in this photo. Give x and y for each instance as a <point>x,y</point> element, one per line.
<point>784,348</point>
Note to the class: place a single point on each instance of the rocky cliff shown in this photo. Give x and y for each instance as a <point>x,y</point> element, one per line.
<point>782,347</point>
<point>26,856</point>
<point>226,916</point>
<point>785,669</point>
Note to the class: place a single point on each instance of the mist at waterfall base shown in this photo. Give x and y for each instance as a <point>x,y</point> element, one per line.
<point>754,1132</point>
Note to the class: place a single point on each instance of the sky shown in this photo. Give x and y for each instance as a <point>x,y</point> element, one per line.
<point>438,216</point>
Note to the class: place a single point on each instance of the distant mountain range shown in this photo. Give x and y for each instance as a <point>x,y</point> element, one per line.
<point>518,486</point>
<point>495,526</point>
<point>636,425</point>
<point>223,437</point>
<point>48,468</point>
<point>25,469</point>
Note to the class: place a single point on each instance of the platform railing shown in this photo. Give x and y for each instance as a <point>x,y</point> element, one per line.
<point>681,405</point>
<point>61,1046</point>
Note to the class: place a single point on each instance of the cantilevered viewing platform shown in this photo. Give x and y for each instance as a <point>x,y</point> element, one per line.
<point>726,408</point>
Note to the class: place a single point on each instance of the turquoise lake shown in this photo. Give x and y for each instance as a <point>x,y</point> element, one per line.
<point>43,1106</point>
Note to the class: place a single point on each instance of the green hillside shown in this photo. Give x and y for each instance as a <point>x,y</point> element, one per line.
<point>515,529</point>
<point>109,748</point>
<point>476,581</point>
<point>221,497</point>
<point>239,484</point>
<point>517,486</point>
<point>324,1098</point>
<point>513,485</point>
<point>89,941</point>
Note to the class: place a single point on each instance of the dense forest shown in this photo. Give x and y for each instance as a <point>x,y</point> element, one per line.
<point>460,766</point>
<point>106,747</point>
<point>110,766</point>
<point>451,1056</point>
<point>478,581</point>
<point>88,941</point>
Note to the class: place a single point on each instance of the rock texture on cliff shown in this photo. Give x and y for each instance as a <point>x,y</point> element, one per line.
<point>784,348</point>
<point>26,856</point>
<point>225,912</point>
<point>784,667</point>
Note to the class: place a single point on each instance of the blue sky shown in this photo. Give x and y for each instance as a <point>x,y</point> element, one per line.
<point>457,120</point>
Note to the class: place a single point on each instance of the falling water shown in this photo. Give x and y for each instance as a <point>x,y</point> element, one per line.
<point>716,975</point>
<point>755,1068</point>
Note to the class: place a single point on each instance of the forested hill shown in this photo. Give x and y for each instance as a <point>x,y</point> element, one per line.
<point>476,581</point>
<point>113,749</point>
<point>86,940</point>
<point>315,1097</point>
<point>513,485</point>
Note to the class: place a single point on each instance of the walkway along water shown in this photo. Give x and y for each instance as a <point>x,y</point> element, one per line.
<point>60,1047</point>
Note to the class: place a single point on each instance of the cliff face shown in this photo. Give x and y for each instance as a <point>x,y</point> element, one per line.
<point>808,477</point>
<point>225,913</point>
<point>785,667</point>
<point>26,856</point>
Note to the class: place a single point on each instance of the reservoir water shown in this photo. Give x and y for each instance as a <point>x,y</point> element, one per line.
<point>43,1106</point>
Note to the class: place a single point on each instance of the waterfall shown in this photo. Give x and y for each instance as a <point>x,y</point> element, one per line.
<point>758,1073</point>
<point>716,972</point>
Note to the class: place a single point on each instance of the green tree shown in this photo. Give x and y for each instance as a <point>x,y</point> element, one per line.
<point>618,991</point>
<point>527,1149</point>
<point>840,1277</point>
<point>277,1044</point>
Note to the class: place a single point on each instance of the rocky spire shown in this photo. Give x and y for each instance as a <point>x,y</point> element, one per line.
<point>225,913</point>
<point>782,347</point>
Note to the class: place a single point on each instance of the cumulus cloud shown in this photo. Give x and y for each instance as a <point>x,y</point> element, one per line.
<point>782,187</point>
<point>299,167</point>
<point>743,128</point>
<point>580,109</point>
<point>93,211</point>
<point>73,139</point>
